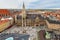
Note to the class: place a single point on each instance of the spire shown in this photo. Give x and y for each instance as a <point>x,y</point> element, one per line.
<point>23,11</point>
<point>23,6</point>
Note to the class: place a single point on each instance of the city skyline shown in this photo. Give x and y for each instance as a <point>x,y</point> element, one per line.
<point>30,4</point>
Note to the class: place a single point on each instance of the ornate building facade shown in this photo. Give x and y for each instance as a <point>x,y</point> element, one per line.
<point>29,19</point>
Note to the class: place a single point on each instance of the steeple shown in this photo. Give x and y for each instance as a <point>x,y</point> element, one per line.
<point>23,5</point>
<point>23,16</point>
<point>23,11</point>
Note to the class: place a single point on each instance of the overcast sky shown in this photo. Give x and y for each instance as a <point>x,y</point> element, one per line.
<point>30,4</point>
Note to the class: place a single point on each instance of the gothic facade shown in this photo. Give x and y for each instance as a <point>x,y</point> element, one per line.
<point>29,19</point>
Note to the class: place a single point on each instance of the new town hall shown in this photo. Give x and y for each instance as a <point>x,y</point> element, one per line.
<point>29,18</point>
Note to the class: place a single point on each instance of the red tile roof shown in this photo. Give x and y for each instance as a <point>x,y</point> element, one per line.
<point>3,21</point>
<point>4,11</point>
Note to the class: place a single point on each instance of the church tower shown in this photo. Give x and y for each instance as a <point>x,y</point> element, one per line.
<point>23,11</point>
<point>23,6</point>
<point>23,15</point>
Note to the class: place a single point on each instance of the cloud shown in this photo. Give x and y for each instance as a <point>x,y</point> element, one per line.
<point>46,4</point>
<point>27,2</point>
<point>14,4</point>
<point>33,4</point>
<point>8,4</point>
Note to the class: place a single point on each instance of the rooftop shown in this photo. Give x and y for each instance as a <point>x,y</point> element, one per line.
<point>4,11</point>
